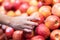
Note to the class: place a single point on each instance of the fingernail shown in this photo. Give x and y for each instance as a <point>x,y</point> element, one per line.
<point>27,30</point>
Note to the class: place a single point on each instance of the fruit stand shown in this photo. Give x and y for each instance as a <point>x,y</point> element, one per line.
<point>29,19</point>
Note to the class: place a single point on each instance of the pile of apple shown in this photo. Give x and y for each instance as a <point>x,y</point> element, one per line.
<point>47,10</point>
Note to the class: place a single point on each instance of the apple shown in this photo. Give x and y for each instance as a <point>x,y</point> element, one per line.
<point>48,2</point>
<point>37,38</point>
<point>37,15</point>
<point>1,32</point>
<point>55,35</point>
<point>11,13</point>
<point>18,12</point>
<point>27,39</point>
<point>45,11</point>
<point>23,7</point>
<point>7,5</point>
<point>16,4</point>
<point>2,10</point>
<point>42,30</point>
<point>17,35</point>
<point>29,35</point>
<point>2,35</point>
<point>9,32</point>
<point>56,9</point>
<point>1,1</point>
<point>4,27</point>
<point>32,9</point>
<point>22,1</point>
<point>40,4</point>
<point>56,1</point>
<point>52,22</point>
<point>33,2</point>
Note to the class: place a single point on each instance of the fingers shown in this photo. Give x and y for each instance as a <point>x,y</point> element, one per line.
<point>31,23</point>
<point>33,18</point>
<point>27,30</point>
<point>26,27</point>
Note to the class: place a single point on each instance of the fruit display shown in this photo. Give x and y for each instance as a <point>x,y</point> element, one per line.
<point>46,11</point>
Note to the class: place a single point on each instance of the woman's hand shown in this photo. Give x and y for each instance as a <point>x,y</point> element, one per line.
<point>19,22</point>
<point>23,23</point>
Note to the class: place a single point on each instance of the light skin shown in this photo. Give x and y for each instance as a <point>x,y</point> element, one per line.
<point>19,22</point>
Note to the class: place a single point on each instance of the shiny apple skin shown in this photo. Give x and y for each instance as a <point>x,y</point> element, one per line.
<point>55,34</point>
<point>42,30</point>
<point>54,21</point>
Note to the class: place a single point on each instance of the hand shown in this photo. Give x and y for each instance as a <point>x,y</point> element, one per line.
<point>23,23</point>
<point>19,22</point>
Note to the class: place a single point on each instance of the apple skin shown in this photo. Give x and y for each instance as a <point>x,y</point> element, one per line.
<point>7,5</point>
<point>37,38</point>
<point>56,9</point>
<point>38,16</point>
<point>1,1</point>
<point>40,4</point>
<point>29,35</point>
<point>56,1</point>
<point>2,10</point>
<point>27,39</point>
<point>1,32</point>
<point>11,13</point>
<point>48,2</point>
<point>16,4</point>
<point>9,32</point>
<point>17,35</point>
<point>42,30</point>
<point>52,20</point>
<point>23,7</point>
<point>33,2</point>
<point>18,12</point>
<point>45,11</point>
<point>55,34</point>
<point>32,9</point>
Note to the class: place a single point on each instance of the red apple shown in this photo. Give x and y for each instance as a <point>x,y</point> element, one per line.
<point>47,2</point>
<point>29,35</point>
<point>37,38</point>
<point>55,35</point>
<point>2,35</point>
<point>56,1</point>
<point>52,22</point>
<point>40,4</point>
<point>37,15</point>
<point>9,32</point>
<point>27,39</point>
<point>25,0</point>
<point>7,5</point>
<point>45,11</point>
<point>23,7</point>
<point>42,30</point>
<point>56,9</point>
<point>17,35</point>
<point>1,32</point>
<point>16,4</point>
<point>1,1</point>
